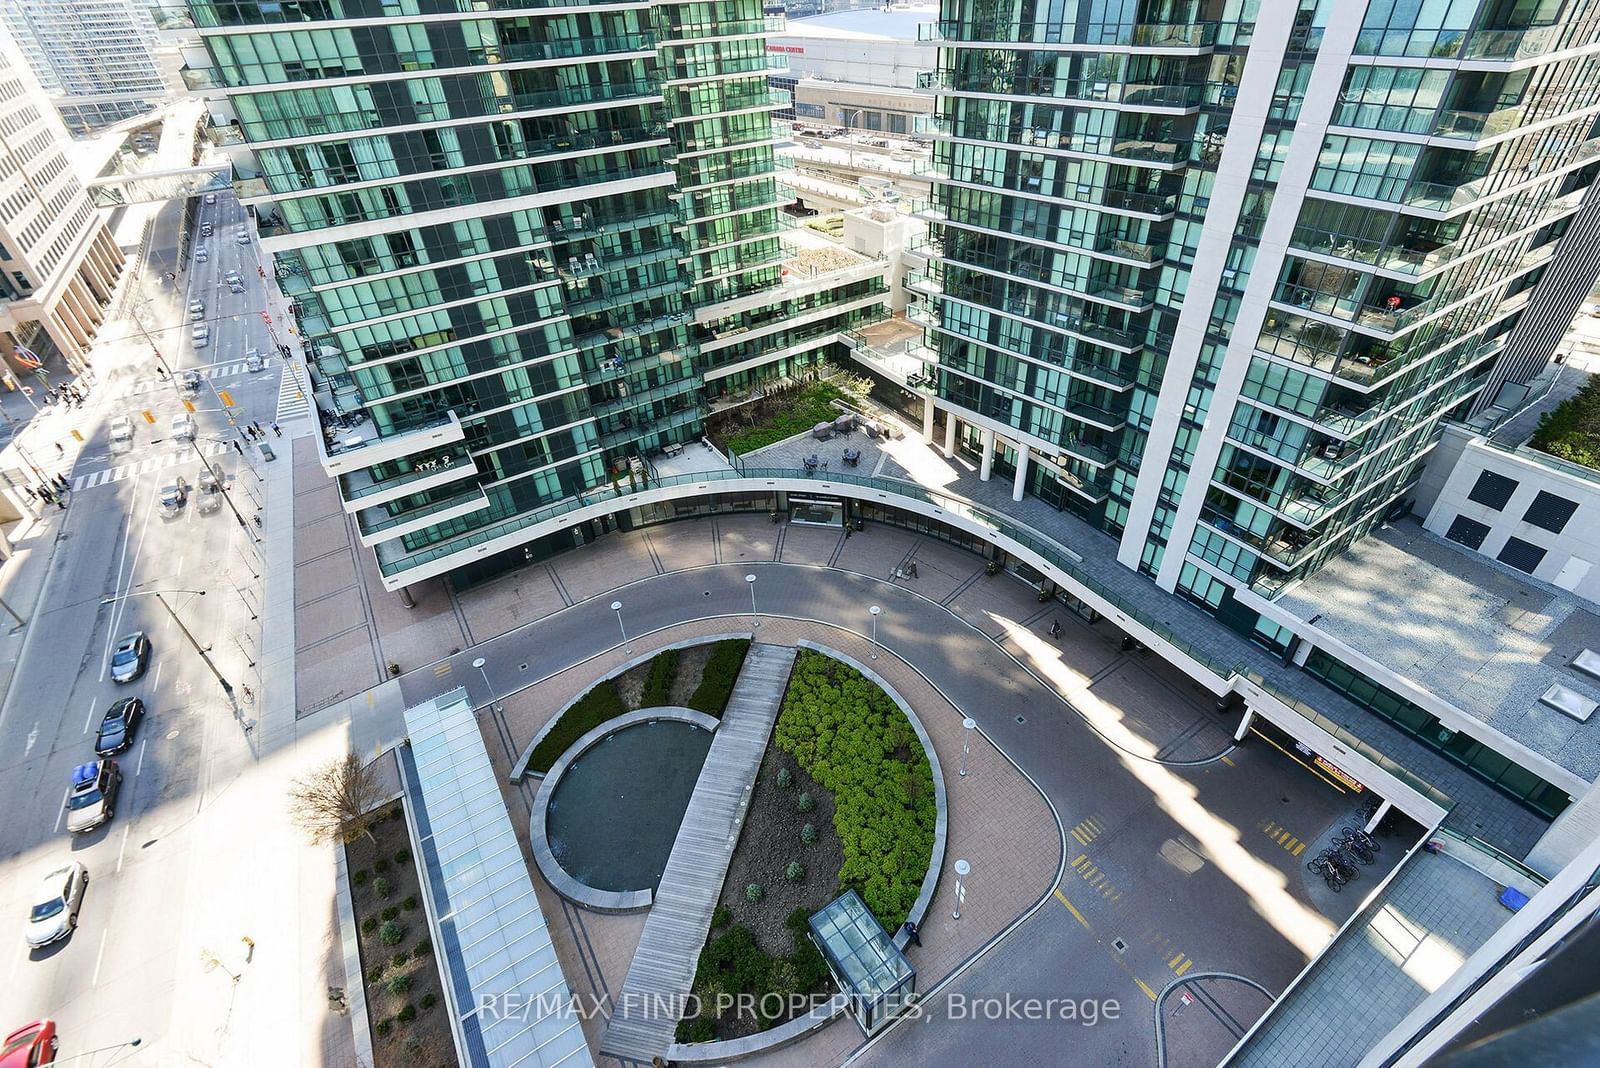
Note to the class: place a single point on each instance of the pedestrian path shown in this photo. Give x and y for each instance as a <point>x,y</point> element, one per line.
<point>662,973</point>
<point>210,372</point>
<point>166,458</point>
<point>293,401</point>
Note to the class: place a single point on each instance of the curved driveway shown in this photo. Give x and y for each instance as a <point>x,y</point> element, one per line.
<point>1169,869</point>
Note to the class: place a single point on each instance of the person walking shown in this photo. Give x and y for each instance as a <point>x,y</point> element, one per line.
<point>276,431</point>
<point>255,424</point>
<point>59,450</point>
<point>61,480</point>
<point>238,448</point>
<point>1055,628</point>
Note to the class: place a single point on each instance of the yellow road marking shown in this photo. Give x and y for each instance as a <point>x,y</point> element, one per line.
<point>441,670</point>
<point>1229,761</point>
<point>1173,963</point>
<point>1070,908</point>
<point>1080,859</point>
<point>1183,968</point>
<point>1151,994</point>
<point>1301,848</point>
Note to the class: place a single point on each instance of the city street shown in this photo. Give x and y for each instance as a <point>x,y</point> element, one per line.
<point>128,968</point>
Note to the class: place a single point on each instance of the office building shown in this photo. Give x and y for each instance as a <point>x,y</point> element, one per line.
<point>58,262</point>
<point>95,58</point>
<point>524,248</point>
<point>1213,277</point>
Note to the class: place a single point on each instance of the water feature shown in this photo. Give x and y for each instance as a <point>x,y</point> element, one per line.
<point>614,815</point>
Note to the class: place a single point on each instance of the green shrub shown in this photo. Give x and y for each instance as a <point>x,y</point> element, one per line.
<point>852,739</point>
<point>375,974</point>
<point>382,1028</point>
<point>410,902</point>
<point>785,778</point>
<point>360,877</point>
<point>403,856</point>
<point>406,1014</point>
<point>811,405</point>
<point>391,933</point>
<point>798,922</point>
<point>795,871</point>
<point>805,803</point>
<point>413,1045</point>
<point>1571,431</point>
<point>811,971</point>
<point>658,683</point>
<point>592,709</point>
<point>391,912</point>
<point>380,866</point>
<point>720,917</point>
<point>808,833</point>
<point>721,672</point>
<point>369,925</point>
<point>424,947</point>
<point>735,961</point>
<point>697,1029</point>
<point>399,984</point>
<point>382,887</point>
<point>399,959</point>
<point>755,892</point>
<point>428,1002</point>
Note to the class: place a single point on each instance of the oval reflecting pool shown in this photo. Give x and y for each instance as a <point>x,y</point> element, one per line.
<point>615,812</point>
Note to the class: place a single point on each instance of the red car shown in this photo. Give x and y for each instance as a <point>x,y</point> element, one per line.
<point>30,1046</point>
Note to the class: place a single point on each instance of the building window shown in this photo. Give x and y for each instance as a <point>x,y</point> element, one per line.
<point>872,120</point>
<point>897,123</point>
<point>1522,555</point>
<point>1493,490</point>
<point>1468,532</point>
<point>808,111</point>
<point>1550,511</point>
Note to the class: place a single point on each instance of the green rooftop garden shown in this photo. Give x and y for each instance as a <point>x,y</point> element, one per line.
<point>1571,431</point>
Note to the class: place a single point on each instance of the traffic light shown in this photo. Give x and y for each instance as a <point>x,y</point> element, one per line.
<point>227,398</point>
<point>149,416</point>
<point>188,405</point>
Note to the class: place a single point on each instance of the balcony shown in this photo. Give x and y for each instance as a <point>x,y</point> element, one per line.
<point>1477,125</point>
<point>225,136</point>
<point>360,489</point>
<point>201,79</point>
<point>627,401</point>
<point>378,524</point>
<point>623,436</point>
<point>1133,35</point>
<point>1511,45</point>
<point>352,449</point>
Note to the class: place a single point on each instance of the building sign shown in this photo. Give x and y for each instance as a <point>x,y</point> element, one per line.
<point>1338,773</point>
<point>788,50</point>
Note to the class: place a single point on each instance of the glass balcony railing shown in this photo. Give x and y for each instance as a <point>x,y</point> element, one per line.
<point>1525,43</point>
<point>199,79</point>
<point>1141,35</point>
<point>454,461</point>
<point>647,396</point>
<point>378,518</point>
<point>225,135</point>
<point>1479,124</point>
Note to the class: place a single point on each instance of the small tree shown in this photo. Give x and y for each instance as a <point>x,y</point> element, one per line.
<point>784,777</point>
<point>808,833</point>
<point>335,802</point>
<point>805,802</point>
<point>755,892</point>
<point>391,933</point>
<point>795,871</point>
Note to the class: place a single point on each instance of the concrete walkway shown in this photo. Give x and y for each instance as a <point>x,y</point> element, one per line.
<point>662,973</point>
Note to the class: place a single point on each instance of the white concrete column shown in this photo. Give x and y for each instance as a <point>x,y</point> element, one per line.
<point>986,465</point>
<point>950,433</point>
<point>1244,724</point>
<point>1377,817</point>
<point>927,420</point>
<point>1023,456</point>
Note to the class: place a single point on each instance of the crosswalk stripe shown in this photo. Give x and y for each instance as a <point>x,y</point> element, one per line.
<point>292,400</point>
<point>126,471</point>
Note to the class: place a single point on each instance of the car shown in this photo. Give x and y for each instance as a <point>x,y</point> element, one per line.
<point>173,498</point>
<point>131,657</point>
<point>197,312</point>
<point>122,430</point>
<point>211,198</point>
<point>201,335</point>
<point>56,902</point>
<point>93,796</point>
<point>236,287</point>
<point>210,493</point>
<point>253,361</point>
<point>201,255</point>
<point>118,726</point>
<point>190,381</point>
<point>233,278</point>
<point>183,428</point>
<point>242,236</point>
<point>30,1046</point>
<point>206,229</point>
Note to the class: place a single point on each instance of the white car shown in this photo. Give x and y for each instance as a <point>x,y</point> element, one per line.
<point>211,198</point>
<point>54,914</point>
<point>121,430</point>
<point>201,335</point>
<point>183,426</point>
<point>242,236</point>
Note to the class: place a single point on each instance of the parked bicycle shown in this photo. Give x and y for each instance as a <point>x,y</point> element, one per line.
<point>1361,836</point>
<point>1354,848</point>
<point>1330,872</point>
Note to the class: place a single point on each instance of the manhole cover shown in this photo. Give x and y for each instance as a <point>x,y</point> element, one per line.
<point>1022,719</point>
<point>1119,945</point>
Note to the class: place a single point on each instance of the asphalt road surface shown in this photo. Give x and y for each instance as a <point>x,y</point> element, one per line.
<point>117,976</point>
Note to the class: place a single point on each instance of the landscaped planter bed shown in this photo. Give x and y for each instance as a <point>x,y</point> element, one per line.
<point>404,994</point>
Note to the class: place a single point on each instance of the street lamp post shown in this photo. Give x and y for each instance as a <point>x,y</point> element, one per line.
<point>132,1043</point>
<point>750,580</point>
<point>616,606</point>
<point>227,687</point>
<point>876,612</point>
<point>963,869</point>
<point>966,737</point>
<point>487,687</point>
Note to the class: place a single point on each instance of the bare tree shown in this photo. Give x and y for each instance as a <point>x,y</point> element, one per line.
<point>337,802</point>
